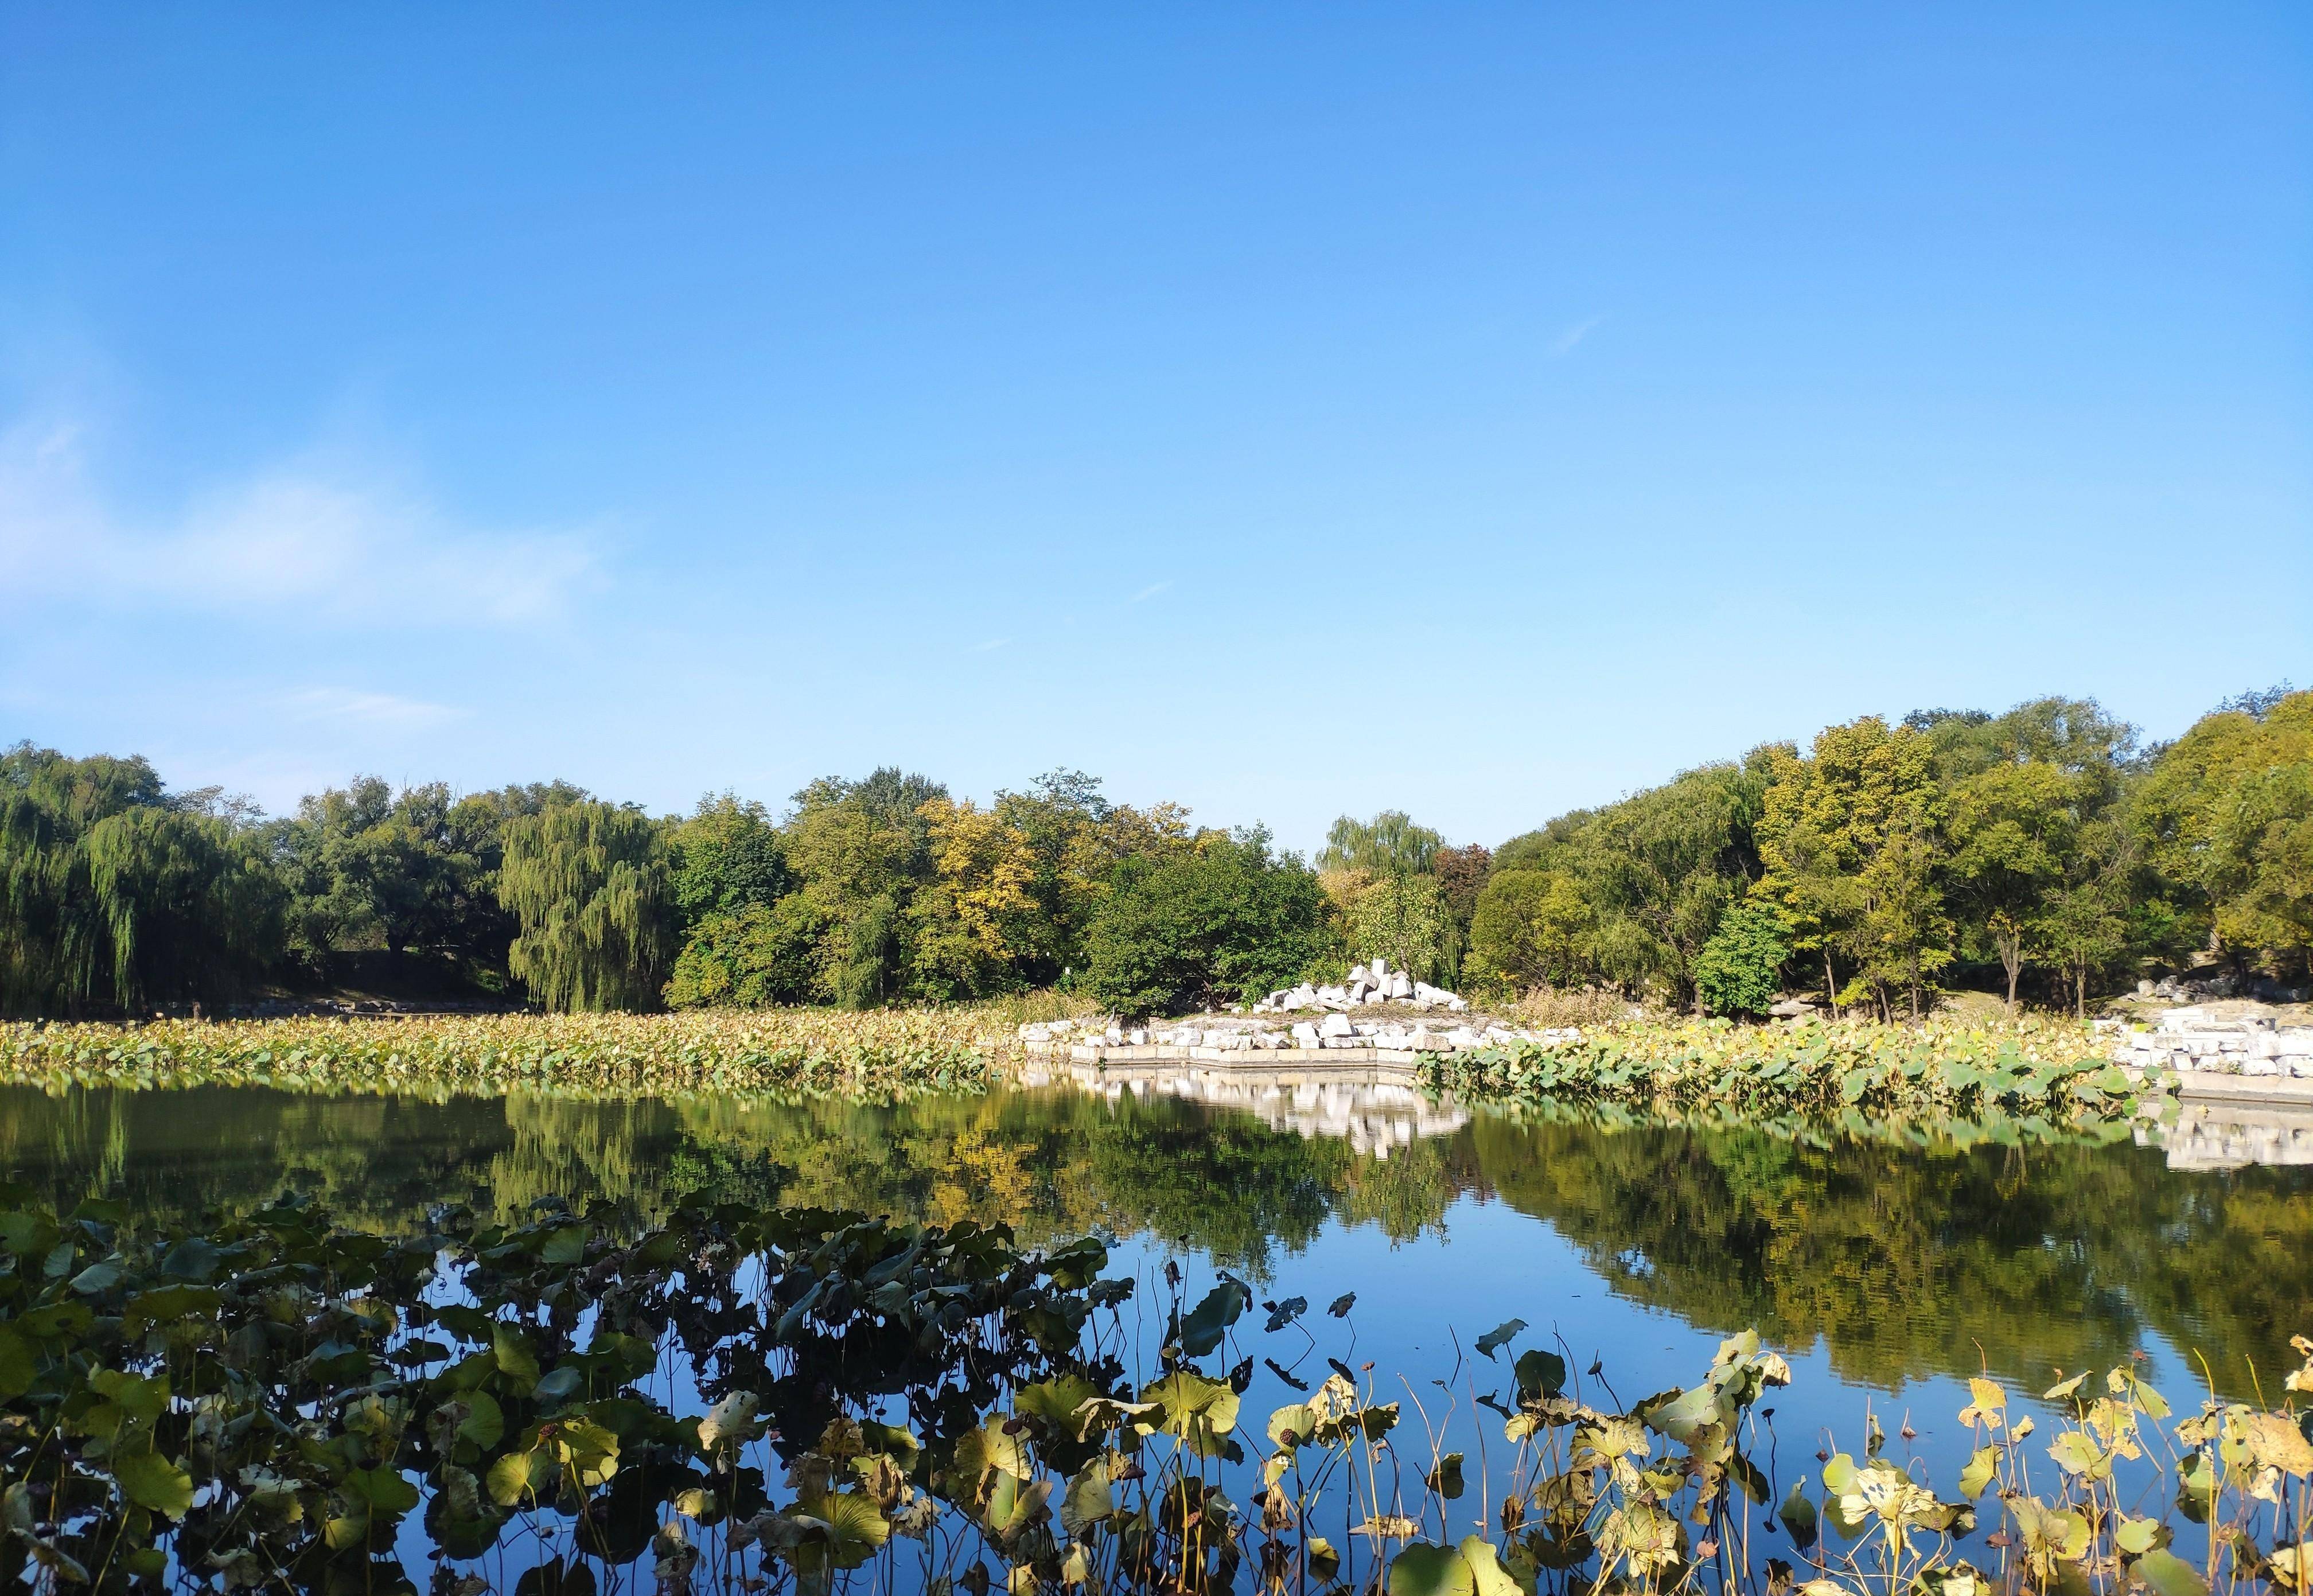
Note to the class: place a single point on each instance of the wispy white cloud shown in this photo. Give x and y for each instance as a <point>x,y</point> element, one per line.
<point>1563,344</point>
<point>990,646</point>
<point>319,538</point>
<point>369,708</point>
<point>1151,591</point>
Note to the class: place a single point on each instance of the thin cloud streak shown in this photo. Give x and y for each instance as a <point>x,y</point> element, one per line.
<point>307,538</point>
<point>368,708</point>
<point>1151,591</point>
<point>1563,344</point>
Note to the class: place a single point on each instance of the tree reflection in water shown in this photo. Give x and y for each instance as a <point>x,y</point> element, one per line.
<point>1903,1258</point>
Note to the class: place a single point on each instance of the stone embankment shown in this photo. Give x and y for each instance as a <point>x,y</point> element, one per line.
<point>1223,1038</point>
<point>2203,1041</point>
<point>1363,1020</point>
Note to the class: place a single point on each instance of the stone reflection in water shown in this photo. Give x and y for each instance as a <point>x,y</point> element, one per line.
<point>1375,1111</point>
<point>2218,1135</point>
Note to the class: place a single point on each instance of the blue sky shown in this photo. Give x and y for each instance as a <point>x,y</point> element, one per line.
<point>1481,411</point>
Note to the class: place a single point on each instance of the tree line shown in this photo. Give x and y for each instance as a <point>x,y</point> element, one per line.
<point>1884,862</point>
<point>2041,852</point>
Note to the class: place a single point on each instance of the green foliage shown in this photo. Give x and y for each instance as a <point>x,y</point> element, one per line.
<point>1739,971</point>
<point>588,884</point>
<point>726,857</point>
<point>1850,842</point>
<point>277,1395</point>
<point>415,870</point>
<point>2227,812</point>
<point>114,894</point>
<point>2036,848</point>
<point>1628,895</point>
<point>1210,924</point>
<point>1401,894</point>
<point>1532,928</point>
<point>861,848</point>
<point>752,958</point>
<point>804,1053</point>
<point>1407,919</point>
<point>1935,1068</point>
<point>1388,847</point>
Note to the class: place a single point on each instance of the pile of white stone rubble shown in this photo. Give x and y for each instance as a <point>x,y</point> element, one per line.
<point>2245,1043</point>
<point>1375,982</point>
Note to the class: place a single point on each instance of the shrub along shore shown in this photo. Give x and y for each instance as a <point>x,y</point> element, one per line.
<point>880,1054</point>
<point>1938,1068</point>
<point>1934,1070</point>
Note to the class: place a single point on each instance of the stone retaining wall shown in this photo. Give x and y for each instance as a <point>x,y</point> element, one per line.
<point>2198,1039</point>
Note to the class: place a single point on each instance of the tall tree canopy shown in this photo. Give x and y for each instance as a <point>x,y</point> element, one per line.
<point>589,885</point>
<point>2227,812</point>
<point>113,895</point>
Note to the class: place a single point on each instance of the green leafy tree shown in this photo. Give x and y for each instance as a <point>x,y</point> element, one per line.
<point>1739,970</point>
<point>1850,842</point>
<point>1215,922</point>
<point>1655,872</point>
<point>2227,812</point>
<point>414,870</point>
<point>751,958</point>
<point>2013,829</point>
<point>2083,923</point>
<point>726,855</point>
<point>862,850</point>
<point>116,894</point>
<point>590,886</point>
<point>1532,928</point>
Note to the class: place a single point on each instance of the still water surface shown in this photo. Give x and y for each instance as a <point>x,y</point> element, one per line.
<point>1887,1271</point>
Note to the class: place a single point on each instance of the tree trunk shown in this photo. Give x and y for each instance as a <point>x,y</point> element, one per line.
<point>1830,984</point>
<point>2012,954</point>
<point>2081,991</point>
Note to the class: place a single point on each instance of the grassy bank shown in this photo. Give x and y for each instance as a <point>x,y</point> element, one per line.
<point>783,1052</point>
<point>1939,1067</point>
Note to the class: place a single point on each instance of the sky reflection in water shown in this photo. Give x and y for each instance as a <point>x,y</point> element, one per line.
<point>1885,1272</point>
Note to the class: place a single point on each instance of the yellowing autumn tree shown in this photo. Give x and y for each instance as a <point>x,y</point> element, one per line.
<point>1850,842</point>
<point>973,920</point>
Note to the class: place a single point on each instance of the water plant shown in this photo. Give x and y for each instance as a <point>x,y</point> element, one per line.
<point>2054,1069</point>
<point>558,1405</point>
<point>880,1053</point>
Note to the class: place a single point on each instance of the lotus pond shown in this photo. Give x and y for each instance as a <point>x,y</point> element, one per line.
<point>559,1343</point>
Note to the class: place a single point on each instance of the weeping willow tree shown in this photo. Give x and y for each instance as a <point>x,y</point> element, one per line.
<point>590,887</point>
<point>114,894</point>
<point>1383,875</point>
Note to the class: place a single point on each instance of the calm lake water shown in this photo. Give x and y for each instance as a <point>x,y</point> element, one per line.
<point>1886,1272</point>
<point>1887,1267</point>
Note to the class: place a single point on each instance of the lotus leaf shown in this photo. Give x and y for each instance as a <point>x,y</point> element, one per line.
<point>1470,1569</point>
<point>1499,1337</point>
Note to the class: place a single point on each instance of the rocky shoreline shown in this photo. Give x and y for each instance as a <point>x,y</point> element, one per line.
<point>2245,1039</point>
